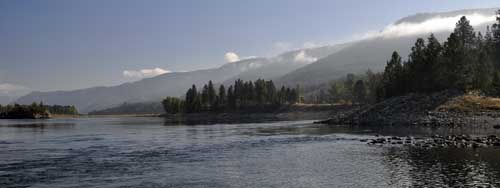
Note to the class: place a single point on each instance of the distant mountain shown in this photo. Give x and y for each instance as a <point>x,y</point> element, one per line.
<point>286,63</point>
<point>149,89</point>
<point>176,83</point>
<point>371,53</point>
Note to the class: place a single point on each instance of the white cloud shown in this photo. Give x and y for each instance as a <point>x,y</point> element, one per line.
<point>144,73</point>
<point>12,89</point>
<point>302,57</point>
<point>231,57</point>
<point>435,24</point>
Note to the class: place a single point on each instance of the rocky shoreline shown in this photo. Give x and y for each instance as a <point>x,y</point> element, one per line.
<point>437,141</point>
<point>415,109</point>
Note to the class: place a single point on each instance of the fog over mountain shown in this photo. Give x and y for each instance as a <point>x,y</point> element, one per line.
<point>307,67</point>
<point>374,51</point>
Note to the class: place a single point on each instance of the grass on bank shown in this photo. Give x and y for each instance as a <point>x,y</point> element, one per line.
<point>471,103</point>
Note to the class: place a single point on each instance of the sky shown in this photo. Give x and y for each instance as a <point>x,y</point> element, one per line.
<point>69,44</point>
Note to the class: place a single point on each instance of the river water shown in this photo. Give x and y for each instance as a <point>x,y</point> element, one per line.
<point>145,152</point>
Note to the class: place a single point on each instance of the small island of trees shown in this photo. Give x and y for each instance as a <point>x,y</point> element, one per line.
<point>35,111</point>
<point>258,96</point>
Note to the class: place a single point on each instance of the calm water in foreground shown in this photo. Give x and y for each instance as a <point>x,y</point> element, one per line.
<point>144,152</point>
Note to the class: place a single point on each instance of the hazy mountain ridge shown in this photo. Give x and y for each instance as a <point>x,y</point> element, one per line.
<point>420,17</point>
<point>287,62</point>
<point>148,89</point>
<point>172,84</point>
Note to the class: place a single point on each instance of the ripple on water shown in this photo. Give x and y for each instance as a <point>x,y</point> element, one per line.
<point>123,153</point>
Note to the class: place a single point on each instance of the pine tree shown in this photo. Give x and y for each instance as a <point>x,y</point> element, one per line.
<point>205,103</point>
<point>211,94</point>
<point>460,56</point>
<point>231,99</point>
<point>495,86</point>
<point>271,92</point>
<point>393,76</point>
<point>222,99</point>
<point>495,40</point>
<point>432,65</point>
<point>416,67</point>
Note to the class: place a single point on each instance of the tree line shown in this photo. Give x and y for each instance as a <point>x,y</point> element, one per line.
<point>467,61</point>
<point>352,88</point>
<point>9,110</point>
<point>260,95</point>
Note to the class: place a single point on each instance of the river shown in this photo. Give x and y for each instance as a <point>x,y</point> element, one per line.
<point>146,152</point>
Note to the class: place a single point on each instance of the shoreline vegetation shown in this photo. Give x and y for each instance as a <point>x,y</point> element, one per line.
<point>36,111</point>
<point>456,83</point>
<point>243,97</point>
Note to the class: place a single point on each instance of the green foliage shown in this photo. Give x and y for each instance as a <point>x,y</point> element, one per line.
<point>173,105</point>
<point>33,110</point>
<point>466,61</point>
<point>393,80</point>
<point>495,86</point>
<point>242,96</point>
<point>59,109</point>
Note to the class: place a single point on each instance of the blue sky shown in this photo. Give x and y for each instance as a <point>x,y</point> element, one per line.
<point>69,44</point>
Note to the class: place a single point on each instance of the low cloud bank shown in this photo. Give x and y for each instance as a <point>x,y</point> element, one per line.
<point>436,24</point>
<point>144,73</point>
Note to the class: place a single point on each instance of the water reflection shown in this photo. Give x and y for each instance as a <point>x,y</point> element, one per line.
<point>443,167</point>
<point>43,125</point>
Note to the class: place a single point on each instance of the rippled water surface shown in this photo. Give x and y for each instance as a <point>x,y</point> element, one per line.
<point>144,152</point>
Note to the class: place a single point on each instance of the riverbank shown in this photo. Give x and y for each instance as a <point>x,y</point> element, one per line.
<point>447,108</point>
<point>286,113</point>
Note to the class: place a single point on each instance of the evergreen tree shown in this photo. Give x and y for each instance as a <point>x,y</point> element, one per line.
<point>222,99</point>
<point>205,103</point>
<point>271,92</point>
<point>459,56</point>
<point>432,65</point>
<point>495,40</point>
<point>495,86</point>
<point>231,99</point>
<point>393,77</point>
<point>191,97</point>
<point>211,94</point>
<point>483,73</point>
<point>416,67</point>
